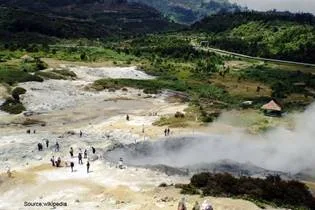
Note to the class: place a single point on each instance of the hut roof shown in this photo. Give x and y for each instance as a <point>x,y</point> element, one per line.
<point>272,105</point>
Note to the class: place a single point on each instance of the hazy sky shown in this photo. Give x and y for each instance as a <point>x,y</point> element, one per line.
<point>290,5</point>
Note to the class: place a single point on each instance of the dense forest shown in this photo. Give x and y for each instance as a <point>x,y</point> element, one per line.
<point>280,35</point>
<point>33,21</point>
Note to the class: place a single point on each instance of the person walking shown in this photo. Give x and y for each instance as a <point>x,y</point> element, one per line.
<point>72,165</point>
<point>88,167</point>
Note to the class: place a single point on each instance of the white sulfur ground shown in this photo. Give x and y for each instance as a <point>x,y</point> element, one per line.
<point>68,106</point>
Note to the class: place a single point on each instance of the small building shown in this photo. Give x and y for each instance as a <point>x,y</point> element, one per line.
<point>272,109</point>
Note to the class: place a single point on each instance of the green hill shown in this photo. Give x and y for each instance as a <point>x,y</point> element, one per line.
<point>189,11</point>
<point>264,34</point>
<point>38,20</point>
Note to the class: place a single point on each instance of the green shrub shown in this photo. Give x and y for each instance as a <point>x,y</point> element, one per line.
<point>17,92</point>
<point>270,190</point>
<point>12,106</point>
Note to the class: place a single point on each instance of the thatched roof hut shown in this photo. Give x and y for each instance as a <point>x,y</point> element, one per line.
<point>272,108</point>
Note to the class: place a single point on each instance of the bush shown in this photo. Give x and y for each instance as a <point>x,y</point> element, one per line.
<point>12,106</point>
<point>17,92</point>
<point>272,189</point>
<point>179,115</point>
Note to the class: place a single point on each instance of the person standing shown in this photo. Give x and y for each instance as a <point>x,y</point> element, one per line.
<point>168,131</point>
<point>88,167</point>
<point>196,206</point>
<point>72,165</point>
<point>57,147</point>
<point>93,150</point>
<point>127,117</point>
<point>120,163</point>
<point>80,158</point>
<point>165,132</point>
<point>81,134</point>
<point>71,152</point>
<point>47,143</point>
<point>58,162</point>
<point>52,160</point>
<point>182,204</point>
<point>85,154</point>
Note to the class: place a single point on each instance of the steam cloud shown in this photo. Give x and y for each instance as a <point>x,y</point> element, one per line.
<point>282,5</point>
<point>279,149</point>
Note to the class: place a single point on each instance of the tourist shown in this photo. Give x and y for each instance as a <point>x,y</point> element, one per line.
<point>93,150</point>
<point>47,143</point>
<point>182,204</point>
<point>196,206</point>
<point>71,152</point>
<point>85,154</point>
<point>57,147</point>
<point>80,158</point>
<point>40,147</point>
<point>81,134</point>
<point>165,132</point>
<point>206,205</point>
<point>52,160</point>
<point>72,165</point>
<point>58,162</point>
<point>127,117</point>
<point>88,166</point>
<point>120,163</point>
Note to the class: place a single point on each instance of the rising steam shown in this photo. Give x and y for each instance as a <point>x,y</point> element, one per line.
<point>279,149</point>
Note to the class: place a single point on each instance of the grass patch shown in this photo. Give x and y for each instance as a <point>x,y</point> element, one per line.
<point>50,75</point>
<point>65,72</point>
<point>12,106</point>
<point>172,122</point>
<point>12,76</point>
<point>30,121</point>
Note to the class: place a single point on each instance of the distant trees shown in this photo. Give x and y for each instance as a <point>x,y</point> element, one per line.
<point>279,35</point>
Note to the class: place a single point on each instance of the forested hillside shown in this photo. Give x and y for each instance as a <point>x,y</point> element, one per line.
<point>189,11</point>
<point>44,20</point>
<point>271,34</point>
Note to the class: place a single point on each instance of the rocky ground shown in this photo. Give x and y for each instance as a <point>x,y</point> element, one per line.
<point>67,107</point>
